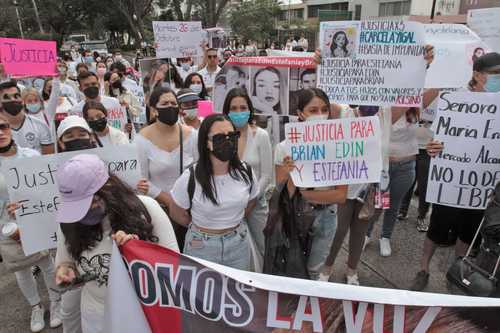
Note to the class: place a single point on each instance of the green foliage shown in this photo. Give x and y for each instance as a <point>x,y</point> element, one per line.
<point>254,19</point>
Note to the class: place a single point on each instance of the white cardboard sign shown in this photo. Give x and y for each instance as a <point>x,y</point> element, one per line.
<point>175,39</point>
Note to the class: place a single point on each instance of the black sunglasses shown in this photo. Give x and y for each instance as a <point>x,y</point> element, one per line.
<point>4,126</point>
<point>221,137</point>
<point>11,96</point>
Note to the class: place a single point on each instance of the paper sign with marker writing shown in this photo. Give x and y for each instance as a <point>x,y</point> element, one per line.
<point>25,57</point>
<point>177,39</point>
<point>335,152</point>
<point>32,183</point>
<point>484,22</point>
<point>465,173</point>
<point>372,62</point>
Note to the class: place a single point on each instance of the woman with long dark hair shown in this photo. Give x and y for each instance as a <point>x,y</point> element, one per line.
<point>268,91</point>
<point>313,105</point>
<point>194,81</point>
<point>96,208</point>
<point>338,47</point>
<point>219,191</point>
<point>254,147</point>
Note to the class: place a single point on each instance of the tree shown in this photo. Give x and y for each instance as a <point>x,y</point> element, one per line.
<point>254,19</point>
<point>135,12</point>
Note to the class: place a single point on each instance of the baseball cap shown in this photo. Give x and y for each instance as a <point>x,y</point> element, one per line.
<point>187,95</point>
<point>71,122</point>
<point>487,62</point>
<point>78,180</point>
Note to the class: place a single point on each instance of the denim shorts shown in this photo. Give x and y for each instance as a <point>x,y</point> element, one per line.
<point>230,249</point>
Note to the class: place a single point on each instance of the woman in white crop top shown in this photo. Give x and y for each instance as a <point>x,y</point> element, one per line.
<point>254,147</point>
<point>222,192</point>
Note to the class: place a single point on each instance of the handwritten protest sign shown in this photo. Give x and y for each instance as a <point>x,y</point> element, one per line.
<point>335,152</point>
<point>32,183</point>
<point>177,39</point>
<point>23,57</point>
<point>465,173</point>
<point>370,62</point>
<point>455,48</point>
<point>484,22</point>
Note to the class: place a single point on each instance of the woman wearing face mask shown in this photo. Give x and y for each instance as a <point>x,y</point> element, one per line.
<point>254,148</point>
<point>14,259</point>
<point>185,67</point>
<point>313,105</point>
<point>108,61</point>
<point>115,88</point>
<point>96,116</point>
<point>166,147</point>
<point>194,81</point>
<point>223,191</point>
<point>34,105</point>
<point>188,105</point>
<point>99,209</point>
<point>101,70</point>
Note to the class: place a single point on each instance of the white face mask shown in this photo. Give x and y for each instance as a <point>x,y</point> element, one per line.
<point>196,88</point>
<point>317,117</point>
<point>191,113</point>
<point>118,58</point>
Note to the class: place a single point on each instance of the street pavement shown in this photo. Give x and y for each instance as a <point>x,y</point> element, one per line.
<point>396,271</point>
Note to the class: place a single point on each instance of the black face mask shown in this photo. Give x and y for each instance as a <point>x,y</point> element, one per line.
<point>78,144</point>
<point>169,115</point>
<point>7,148</point>
<point>12,107</point>
<point>116,85</point>
<point>91,92</point>
<point>98,125</point>
<point>225,150</point>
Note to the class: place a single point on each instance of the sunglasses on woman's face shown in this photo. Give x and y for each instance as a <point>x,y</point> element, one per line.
<point>221,137</point>
<point>4,126</point>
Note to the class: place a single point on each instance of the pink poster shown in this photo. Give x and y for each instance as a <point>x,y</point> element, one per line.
<point>24,57</point>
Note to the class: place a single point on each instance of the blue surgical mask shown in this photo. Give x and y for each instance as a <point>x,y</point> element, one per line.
<point>33,107</point>
<point>196,88</point>
<point>185,66</point>
<point>191,113</point>
<point>239,119</point>
<point>89,59</point>
<point>492,83</point>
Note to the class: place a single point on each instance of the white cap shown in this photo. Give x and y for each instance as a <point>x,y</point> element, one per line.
<point>71,122</point>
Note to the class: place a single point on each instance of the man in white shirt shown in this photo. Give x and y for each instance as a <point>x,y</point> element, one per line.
<point>27,131</point>
<point>89,85</point>
<point>69,87</point>
<point>211,70</point>
<point>303,42</point>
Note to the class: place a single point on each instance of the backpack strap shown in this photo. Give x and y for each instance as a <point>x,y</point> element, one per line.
<point>191,186</point>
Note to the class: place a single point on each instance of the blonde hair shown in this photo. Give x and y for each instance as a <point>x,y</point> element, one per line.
<point>29,92</point>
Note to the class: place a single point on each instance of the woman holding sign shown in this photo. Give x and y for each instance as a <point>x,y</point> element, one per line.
<point>96,116</point>
<point>14,259</point>
<point>254,147</point>
<point>96,209</point>
<point>313,105</point>
<point>219,192</point>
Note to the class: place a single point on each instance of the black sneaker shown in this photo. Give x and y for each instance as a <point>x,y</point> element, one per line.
<point>420,281</point>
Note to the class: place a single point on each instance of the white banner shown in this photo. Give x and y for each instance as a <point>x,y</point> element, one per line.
<point>32,183</point>
<point>465,173</point>
<point>455,49</point>
<point>372,62</point>
<point>176,39</point>
<point>485,23</point>
<point>335,152</point>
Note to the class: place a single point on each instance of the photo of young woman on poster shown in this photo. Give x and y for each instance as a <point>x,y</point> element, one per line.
<point>269,88</point>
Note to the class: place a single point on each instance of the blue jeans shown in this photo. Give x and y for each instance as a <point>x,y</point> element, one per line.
<point>231,249</point>
<point>323,232</point>
<point>402,176</point>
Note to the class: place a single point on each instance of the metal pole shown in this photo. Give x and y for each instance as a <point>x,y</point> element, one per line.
<point>433,9</point>
<point>38,17</point>
<point>19,20</point>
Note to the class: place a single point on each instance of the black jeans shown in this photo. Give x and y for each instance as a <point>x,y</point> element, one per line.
<point>422,169</point>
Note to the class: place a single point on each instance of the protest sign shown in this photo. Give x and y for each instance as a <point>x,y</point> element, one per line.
<point>455,49</point>
<point>465,173</point>
<point>372,62</point>
<point>177,39</point>
<point>187,294</point>
<point>484,22</point>
<point>26,57</point>
<point>335,152</point>
<point>272,84</point>
<point>429,112</point>
<point>31,182</point>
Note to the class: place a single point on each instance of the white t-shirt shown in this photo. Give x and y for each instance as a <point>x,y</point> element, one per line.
<point>33,133</point>
<point>258,154</point>
<point>403,141</point>
<point>162,168</point>
<point>117,116</point>
<point>184,73</point>
<point>232,195</point>
<point>209,78</point>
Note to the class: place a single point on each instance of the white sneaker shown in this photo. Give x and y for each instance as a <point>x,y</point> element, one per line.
<point>37,321</point>
<point>367,241</point>
<point>385,247</point>
<point>324,277</point>
<point>353,280</point>
<point>55,314</point>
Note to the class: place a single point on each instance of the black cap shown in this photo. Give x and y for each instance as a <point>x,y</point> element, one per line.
<point>487,62</point>
<point>187,95</point>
